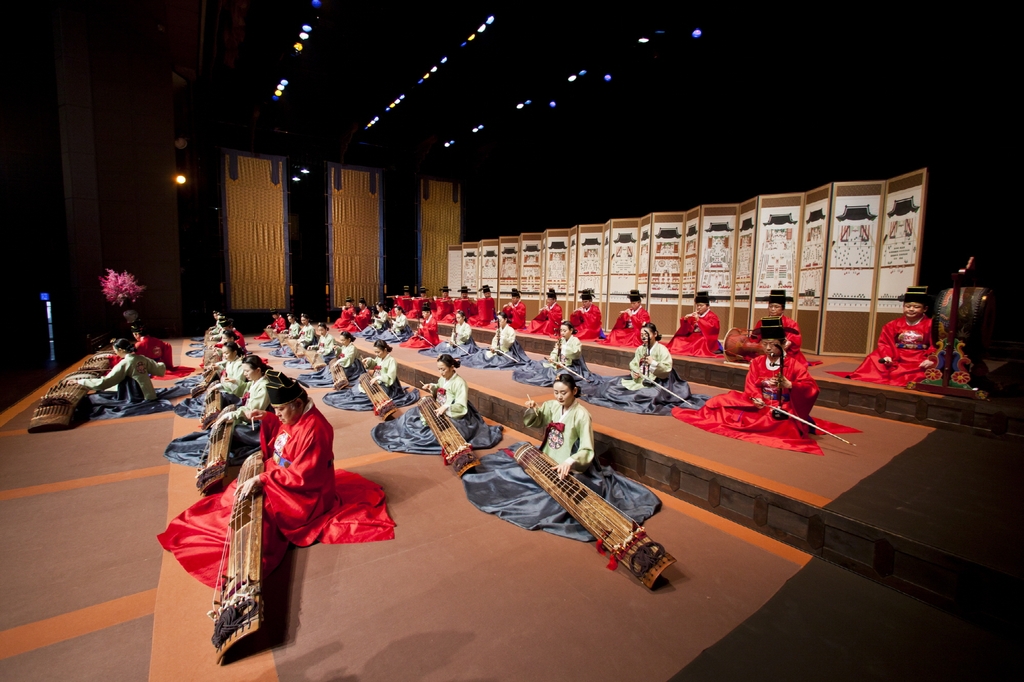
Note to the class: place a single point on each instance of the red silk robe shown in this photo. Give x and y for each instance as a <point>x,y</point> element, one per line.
<point>445,310</point>
<point>466,305</point>
<point>587,323</point>
<point>160,351</point>
<point>626,331</point>
<point>908,346</point>
<point>362,319</point>
<point>733,414</point>
<point>516,315</point>
<point>279,325</point>
<point>344,321</point>
<point>304,501</point>
<point>406,303</point>
<point>794,337</point>
<point>484,313</point>
<point>425,335</point>
<point>698,338</point>
<point>547,322</point>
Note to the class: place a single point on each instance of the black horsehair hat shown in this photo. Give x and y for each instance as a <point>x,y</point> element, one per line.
<point>634,295</point>
<point>552,294</point>
<point>486,289</point>
<point>464,290</point>
<point>445,288</point>
<point>702,297</point>
<point>771,328</point>
<point>515,292</point>
<point>777,296</point>
<point>916,295</point>
<point>587,295</point>
<point>348,299</point>
<point>281,388</point>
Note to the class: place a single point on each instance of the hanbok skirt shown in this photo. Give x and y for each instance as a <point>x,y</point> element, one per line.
<point>352,398</point>
<point>460,352</point>
<point>191,450</point>
<point>543,373</point>
<point>514,357</point>
<point>410,434</point>
<point>620,393</point>
<point>322,377</point>
<point>192,408</point>
<point>128,401</point>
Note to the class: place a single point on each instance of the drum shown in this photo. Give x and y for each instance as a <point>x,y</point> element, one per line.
<point>976,319</point>
<point>741,346</point>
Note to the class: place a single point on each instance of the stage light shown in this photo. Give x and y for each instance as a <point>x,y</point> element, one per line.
<point>644,40</point>
<point>317,3</point>
<point>528,102</point>
<point>444,60</point>
<point>307,28</point>
<point>401,97</point>
<point>480,127</point>
<point>659,32</point>
<point>278,92</point>
<point>284,82</point>
<point>552,104</point>
<point>304,171</point>
<point>447,144</point>
<point>433,70</point>
<point>180,179</point>
<point>475,129</point>
<point>376,118</point>
<point>280,86</point>
<point>463,44</point>
<point>304,36</point>
<point>419,82</point>
<point>490,20</point>
<point>572,78</point>
<point>519,106</point>
<point>275,97</point>
<point>295,178</point>
<point>298,47</point>
<point>607,78</point>
<point>583,72</point>
<point>483,27</point>
<point>471,37</point>
<point>426,75</point>
<point>697,33</point>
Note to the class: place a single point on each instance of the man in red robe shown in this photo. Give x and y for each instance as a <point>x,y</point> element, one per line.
<point>776,305</point>
<point>276,327</point>
<point>157,350</point>
<point>697,335</point>
<point>549,319</point>
<point>772,382</point>
<point>425,335</point>
<point>515,311</point>
<point>465,303</point>
<point>304,499</point>
<point>347,315</point>
<point>904,347</point>
<point>484,310</point>
<point>444,307</point>
<point>405,300</point>
<point>626,331</point>
<point>364,316</point>
<point>587,318</point>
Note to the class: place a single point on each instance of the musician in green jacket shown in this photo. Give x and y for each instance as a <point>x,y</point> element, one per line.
<point>132,366</point>
<point>568,427</point>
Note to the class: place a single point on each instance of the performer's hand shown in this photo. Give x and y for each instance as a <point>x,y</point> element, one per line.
<point>784,382</point>
<point>757,401</point>
<point>636,376</point>
<point>887,360</point>
<point>565,468</point>
<point>786,344</point>
<point>248,488</point>
<point>213,385</point>
<point>530,404</point>
<point>257,415</point>
<point>925,364</point>
<point>441,409</point>
<point>80,382</point>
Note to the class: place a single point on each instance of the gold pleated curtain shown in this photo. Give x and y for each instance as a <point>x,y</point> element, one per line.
<point>440,225</point>
<point>256,231</point>
<point>354,215</point>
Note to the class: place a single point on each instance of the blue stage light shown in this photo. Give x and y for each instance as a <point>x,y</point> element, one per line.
<point>607,77</point>
<point>528,102</point>
<point>307,28</point>
<point>463,44</point>
<point>317,3</point>
<point>444,60</point>
<point>583,72</point>
<point>284,82</point>
<point>697,33</point>
<point>552,104</point>
<point>419,81</point>
<point>490,20</point>
<point>274,97</point>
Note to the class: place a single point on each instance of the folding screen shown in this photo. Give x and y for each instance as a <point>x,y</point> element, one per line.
<point>643,260</point>
<point>743,278</point>
<point>812,251</point>
<point>899,257</point>
<point>454,270</point>
<point>508,277</point>
<point>556,265</point>
<point>850,281</point>
<point>590,261</point>
<point>691,251</point>
<point>489,265</point>
<point>471,267</point>
<point>570,286</point>
<point>440,224</point>
<point>666,261</point>
<point>622,266</point>
<point>778,235</point>
<point>530,270</point>
<point>254,200</point>
<point>718,240</point>
<point>355,233</point>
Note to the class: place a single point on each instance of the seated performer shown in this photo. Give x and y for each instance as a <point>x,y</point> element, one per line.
<point>504,352</point>
<point>587,318</point>
<point>294,332</point>
<point>157,350</point>
<point>500,486</point>
<point>652,387</point>
<point>230,382</point>
<point>566,358</point>
<point>626,331</point>
<point>346,357</point>
<point>772,382</point>
<point>904,346</point>
<point>405,301</point>
<point>135,393</point>
<point>548,319</point>
<point>776,305</point>
<point>445,313</point>
<point>461,342</point>
<point>276,326</point>
<point>191,449</point>
<point>399,331</point>
<point>426,334</point>
<point>307,335</point>
<point>410,433</point>
<point>324,345</point>
<point>516,311</point>
<point>364,316</point>
<point>384,371</point>
<point>304,499</point>
<point>346,316</point>
<point>697,335</point>
<point>416,303</point>
<point>484,316</point>
<point>228,325</point>
<point>465,303</point>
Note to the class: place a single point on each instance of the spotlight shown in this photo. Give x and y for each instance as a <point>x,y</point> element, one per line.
<point>275,97</point>
<point>572,78</point>
<point>304,171</point>
<point>295,178</point>
<point>697,33</point>
<point>280,86</point>
<point>376,118</point>
<point>475,129</point>
<point>303,36</point>
<point>490,20</point>
<point>307,28</point>
<point>644,40</point>
<point>480,127</point>
<point>444,60</point>
<point>528,102</point>
<point>433,70</point>
<point>317,3</point>
<point>298,47</point>
<point>471,37</point>
<point>552,104</point>
<point>483,27</point>
<point>278,92</point>
<point>583,73</point>
<point>401,97</point>
<point>607,78</point>
<point>419,81</point>
<point>426,75</point>
<point>519,106</point>
<point>180,179</point>
<point>463,44</point>
<point>447,144</point>
<point>284,82</point>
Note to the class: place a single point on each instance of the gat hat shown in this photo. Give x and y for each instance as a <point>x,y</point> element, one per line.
<point>138,327</point>
<point>587,295</point>
<point>362,300</point>
<point>552,294</point>
<point>445,288</point>
<point>423,290</point>
<point>405,288</point>
<point>281,388</point>
<point>777,296</point>
<point>634,295</point>
<point>771,328</point>
<point>464,290</point>
<point>486,289</point>
<point>702,297</point>
<point>913,295</point>
<point>349,299</point>
<point>515,293</point>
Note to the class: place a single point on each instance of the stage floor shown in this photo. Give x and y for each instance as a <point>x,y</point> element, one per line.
<point>461,595</point>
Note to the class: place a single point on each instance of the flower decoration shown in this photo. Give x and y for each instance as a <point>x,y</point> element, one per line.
<point>933,374</point>
<point>961,377</point>
<point>119,287</point>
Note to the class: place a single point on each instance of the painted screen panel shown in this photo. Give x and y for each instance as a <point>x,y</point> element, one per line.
<point>454,268</point>
<point>471,266</point>
<point>489,263</point>
<point>902,239</point>
<point>622,260</point>
<point>778,236</point>
<point>509,267</point>
<point>691,250</point>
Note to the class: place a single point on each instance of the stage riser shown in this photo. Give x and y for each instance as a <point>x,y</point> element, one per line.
<point>948,582</point>
<point>952,414</point>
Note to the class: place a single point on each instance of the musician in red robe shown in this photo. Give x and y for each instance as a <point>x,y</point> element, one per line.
<point>157,350</point>
<point>776,305</point>
<point>364,316</point>
<point>444,307</point>
<point>277,326</point>
<point>305,500</point>
<point>587,318</point>
<point>697,335</point>
<point>425,335</point>
<point>416,303</point>
<point>549,319</point>
<point>405,301</point>
<point>626,331</point>
<point>515,311</point>
<point>904,346</point>
<point>346,316</point>
<point>484,309</point>
<point>465,303</point>
<point>772,382</point>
